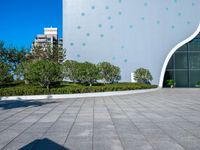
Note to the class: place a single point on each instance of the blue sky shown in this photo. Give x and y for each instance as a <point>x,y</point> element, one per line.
<point>21,20</point>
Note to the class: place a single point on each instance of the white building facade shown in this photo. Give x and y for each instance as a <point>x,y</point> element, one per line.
<point>136,33</point>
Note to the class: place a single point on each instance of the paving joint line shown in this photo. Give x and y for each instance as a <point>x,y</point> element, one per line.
<point>54,122</point>
<point>30,125</point>
<point>123,147</point>
<point>158,127</point>
<point>173,122</point>
<point>134,125</point>
<point>74,122</point>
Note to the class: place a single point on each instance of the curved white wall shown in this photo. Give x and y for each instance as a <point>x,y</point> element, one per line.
<point>128,33</point>
<point>173,51</point>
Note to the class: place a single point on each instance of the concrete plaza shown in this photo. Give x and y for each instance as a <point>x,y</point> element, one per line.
<point>167,119</point>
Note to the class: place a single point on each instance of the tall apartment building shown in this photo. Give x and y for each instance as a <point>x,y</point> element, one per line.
<point>50,37</point>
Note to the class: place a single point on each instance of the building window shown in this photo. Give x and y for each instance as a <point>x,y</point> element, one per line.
<point>184,65</point>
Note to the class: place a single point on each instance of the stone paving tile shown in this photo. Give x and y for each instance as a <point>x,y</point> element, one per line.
<point>167,119</point>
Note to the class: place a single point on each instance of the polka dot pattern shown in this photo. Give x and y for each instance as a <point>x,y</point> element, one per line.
<point>116,28</point>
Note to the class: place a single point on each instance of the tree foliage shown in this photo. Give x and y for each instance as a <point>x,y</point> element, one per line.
<point>109,73</point>
<point>70,70</point>
<point>87,73</point>
<point>143,75</point>
<point>81,72</point>
<point>5,75</point>
<point>43,72</point>
<point>12,55</point>
<point>53,53</point>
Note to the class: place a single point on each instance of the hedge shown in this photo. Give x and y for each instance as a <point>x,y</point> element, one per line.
<point>21,89</point>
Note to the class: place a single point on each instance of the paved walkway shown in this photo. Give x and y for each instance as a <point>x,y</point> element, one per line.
<point>168,119</point>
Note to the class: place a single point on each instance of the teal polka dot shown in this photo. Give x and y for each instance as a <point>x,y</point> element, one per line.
<point>166,8</point>
<point>101,35</point>
<point>179,14</point>
<point>122,47</point>
<point>142,18</point>
<point>145,4</point>
<point>131,26</point>
<point>111,27</point>
<point>175,1</point>
<point>83,44</point>
<point>93,7</point>
<point>78,55</point>
<point>71,44</point>
<point>87,34</point>
<point>173,27</point>
<point>193,4</point>
<point>119,13</point>
<point>100,25</point>
<point>188,22</point>
<point>79,27</point>
<point>158,22</point>
<point>107,7</point>
<point>125,60</point>
<point>120,1</point>
<point>82,14</point>
<point>109,17</point>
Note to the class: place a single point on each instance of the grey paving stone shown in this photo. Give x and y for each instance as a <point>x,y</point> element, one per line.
<point>167,119</point>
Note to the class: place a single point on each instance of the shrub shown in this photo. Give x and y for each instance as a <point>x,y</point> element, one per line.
<point>198,83</point>
<point>143,75</point>
<point>68,88</point>
<point>170,83</point>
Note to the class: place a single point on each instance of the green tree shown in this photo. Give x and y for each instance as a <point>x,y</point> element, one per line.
<point>70,70</point>
<point>109,73</point>
<point>12,56</point>
<point>87,73</point>
<point>44,72</point>
<point>53,53</point>
<point>143,75</point>
<point>5,75</point>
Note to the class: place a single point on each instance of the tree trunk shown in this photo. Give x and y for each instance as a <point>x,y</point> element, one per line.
<point>48,87</point>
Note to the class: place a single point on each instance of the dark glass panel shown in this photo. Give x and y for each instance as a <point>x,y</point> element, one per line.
<point>183,48</point>
<point>181,60</point>
<point>181,78</point>
<point>169,75</point>
<point>198,36</point>
<point>171,63</point>
<point>184,66</point>
<point>194,45</point>
<point>194,78</point>
<point>194,60</point>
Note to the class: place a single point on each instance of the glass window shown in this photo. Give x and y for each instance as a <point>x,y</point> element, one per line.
<point>184,66</point>
<point>181,78</point>
<point>181,60</point>
<point>183,48</point>
<point>169,75</point>
<point>194,78</point>
<point>198,36</point>
<point>194,60</point>
<point>171,63</point>
<point>194,45</point>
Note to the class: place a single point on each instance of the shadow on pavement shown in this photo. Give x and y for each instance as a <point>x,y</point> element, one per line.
<point>43,144</point>
<point>11,104</point>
